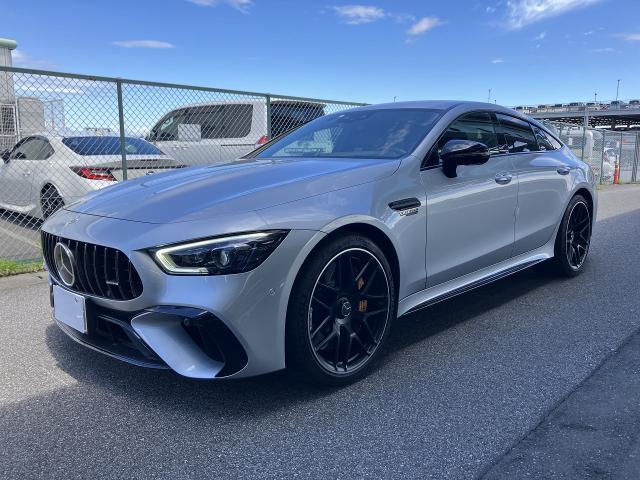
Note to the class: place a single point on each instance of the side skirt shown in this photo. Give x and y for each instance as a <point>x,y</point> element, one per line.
<point>452,288</point>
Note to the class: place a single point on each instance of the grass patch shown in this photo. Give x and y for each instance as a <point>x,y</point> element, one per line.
<point>14,267</point>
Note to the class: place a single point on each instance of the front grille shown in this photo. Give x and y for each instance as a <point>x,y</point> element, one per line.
<point>99,271</point>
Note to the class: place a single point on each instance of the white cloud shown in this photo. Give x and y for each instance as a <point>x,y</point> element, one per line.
<point>524,12</point>
<point>540,37</point>
<point>604,50</point>
<point>630,37</point>
<point>143,44</point>
<point>423,25</point>
<point>21,59</point>
<point>240,5</point>
<point>358,14</point>
<point>497,60</point>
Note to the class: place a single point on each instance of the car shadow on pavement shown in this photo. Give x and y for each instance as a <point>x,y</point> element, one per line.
<point>277,390</point>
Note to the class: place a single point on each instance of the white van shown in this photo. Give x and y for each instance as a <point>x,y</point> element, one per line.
<point>220,132</point>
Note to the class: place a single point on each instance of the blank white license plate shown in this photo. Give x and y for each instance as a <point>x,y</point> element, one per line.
<point>68,308</point>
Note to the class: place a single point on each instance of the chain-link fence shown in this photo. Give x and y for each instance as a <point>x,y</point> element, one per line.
<point>614,156</point>
<point>64,135</point>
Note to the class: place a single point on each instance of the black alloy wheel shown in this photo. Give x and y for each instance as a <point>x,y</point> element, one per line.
<point>573,239</point>
<point>340,311</point>
<point>349,310</point>
<point>578,235</point>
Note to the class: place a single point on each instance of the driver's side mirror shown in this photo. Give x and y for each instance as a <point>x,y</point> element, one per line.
<point>5,155</point>
<point>462,152</point>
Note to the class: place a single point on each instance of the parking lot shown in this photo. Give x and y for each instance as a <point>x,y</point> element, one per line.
<point>480,385</point>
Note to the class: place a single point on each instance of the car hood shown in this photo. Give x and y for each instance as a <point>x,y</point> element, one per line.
<point>203,192</point>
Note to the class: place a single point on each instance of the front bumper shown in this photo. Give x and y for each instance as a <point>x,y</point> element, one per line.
<point>199,326</point>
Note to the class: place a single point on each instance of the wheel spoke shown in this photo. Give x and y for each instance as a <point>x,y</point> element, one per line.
<point>325,341</point>
<point>369,282</point>
<point>323,324</point>
<point>337,349</point>
<point>322,304</point>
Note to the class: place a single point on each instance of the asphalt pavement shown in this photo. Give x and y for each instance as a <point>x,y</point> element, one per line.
<point>477,386</point>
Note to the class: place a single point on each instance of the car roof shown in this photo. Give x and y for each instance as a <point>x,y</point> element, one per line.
<point>445,105</point>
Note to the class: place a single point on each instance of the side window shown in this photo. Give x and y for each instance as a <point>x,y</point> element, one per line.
<point>518,134</point>
<point>222,121</point>
<point>475,126</point>
<point>544,140</point>
<point>32,149</point>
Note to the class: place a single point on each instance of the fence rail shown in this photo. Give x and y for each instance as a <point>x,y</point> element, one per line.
<point>64,135</point>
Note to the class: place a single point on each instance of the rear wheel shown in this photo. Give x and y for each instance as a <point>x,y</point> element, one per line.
<point>574,238</point>
<point>340,311</point>
<point>50,201</point>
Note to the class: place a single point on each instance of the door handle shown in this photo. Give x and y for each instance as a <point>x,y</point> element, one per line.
<point>563,170</point>
<point>503,178</point>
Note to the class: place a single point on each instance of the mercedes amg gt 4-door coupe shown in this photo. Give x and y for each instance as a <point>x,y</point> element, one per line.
<point>304,252</point>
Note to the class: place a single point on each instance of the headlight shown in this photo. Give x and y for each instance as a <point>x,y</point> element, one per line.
<point>219,256</point>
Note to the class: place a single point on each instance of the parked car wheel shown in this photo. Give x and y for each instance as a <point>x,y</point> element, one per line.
<point>574,238</point>
<point>340,311</point>
<point>50,200</point>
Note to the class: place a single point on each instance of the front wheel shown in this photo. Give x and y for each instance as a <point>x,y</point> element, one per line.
<point>574,238</point>
<point>340,311</point>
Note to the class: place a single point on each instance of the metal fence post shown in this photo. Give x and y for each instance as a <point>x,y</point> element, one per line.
<point>584,131</point>
<point>123,144</point>
<point>268,99</point>
<point>636,159</point>
<point>620,158</point>
<point>604,137</point>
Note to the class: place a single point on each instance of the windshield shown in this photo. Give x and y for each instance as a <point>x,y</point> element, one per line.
<point>110,146</point>
<point>378,134</point>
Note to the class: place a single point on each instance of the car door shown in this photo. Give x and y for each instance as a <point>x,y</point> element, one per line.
<point>470,218</point>
<point>543,180</point>
<point>17,173</point>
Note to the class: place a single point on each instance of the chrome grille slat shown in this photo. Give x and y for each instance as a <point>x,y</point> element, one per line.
<point>100,271</point>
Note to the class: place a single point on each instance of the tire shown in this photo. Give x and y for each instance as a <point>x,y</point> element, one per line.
<point>573,239</point>
<point>50,201</point>
<point>338,322</point>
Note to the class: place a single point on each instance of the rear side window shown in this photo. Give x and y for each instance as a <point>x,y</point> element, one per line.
<point>222,121</point>
<point>518,134</point>
<point>215,121</point>
<point>286,115</point>
<point>545,141</point>
<point>32,149</point>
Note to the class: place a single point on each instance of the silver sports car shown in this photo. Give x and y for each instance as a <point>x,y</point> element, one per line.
<point>303,253</point>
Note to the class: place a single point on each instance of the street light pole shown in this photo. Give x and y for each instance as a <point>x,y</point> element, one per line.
<point>489,97</point>
<point>618,89</point>
<point>595,97</point>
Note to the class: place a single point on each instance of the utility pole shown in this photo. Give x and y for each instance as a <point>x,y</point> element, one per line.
<point>618,89</point>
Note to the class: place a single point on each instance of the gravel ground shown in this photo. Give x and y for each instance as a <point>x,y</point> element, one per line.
<point>462,386</point>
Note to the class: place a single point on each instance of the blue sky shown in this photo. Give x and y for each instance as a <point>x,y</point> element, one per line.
<point>526,51</point>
